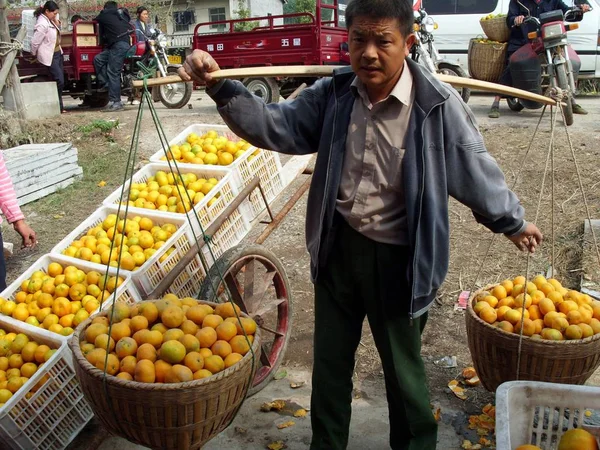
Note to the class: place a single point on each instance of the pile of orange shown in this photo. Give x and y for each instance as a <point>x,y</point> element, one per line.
<point>59,298</point>
<point>171,193</point>
<point>550,311</point>
<point>20,359</point>
<point>137,239</point>
<point>209,148</point>
<point>169,341</point>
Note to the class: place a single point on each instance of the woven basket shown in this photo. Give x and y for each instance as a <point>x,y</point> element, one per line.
<point>496,29</point>
<point>486,61</point>
<point>165,416</point>
<point>495,353</point>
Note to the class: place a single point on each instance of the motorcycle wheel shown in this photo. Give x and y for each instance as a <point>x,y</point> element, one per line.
<point>562,81</point>
<point>177,95</point>
<point>514,104</point>
<point>456,71</point>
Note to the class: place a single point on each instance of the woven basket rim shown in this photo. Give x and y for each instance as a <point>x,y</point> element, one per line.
<point>516,336</point>
<point>497,45</point>
<point>494,19</point>
<point>75,341</point>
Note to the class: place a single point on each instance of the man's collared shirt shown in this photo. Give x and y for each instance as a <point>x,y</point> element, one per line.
<point>371,193</point>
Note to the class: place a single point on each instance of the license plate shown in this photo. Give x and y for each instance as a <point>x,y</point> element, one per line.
<point>174,59</point>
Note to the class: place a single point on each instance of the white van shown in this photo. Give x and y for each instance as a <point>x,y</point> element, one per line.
<point>458,22</point>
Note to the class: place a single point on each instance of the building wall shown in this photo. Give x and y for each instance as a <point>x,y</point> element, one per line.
<point>260,8</point>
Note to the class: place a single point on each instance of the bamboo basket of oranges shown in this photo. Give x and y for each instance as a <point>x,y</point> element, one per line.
<point>560,339</point>
<point>154,388</point>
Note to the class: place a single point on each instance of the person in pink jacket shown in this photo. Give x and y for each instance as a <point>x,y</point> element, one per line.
<point>12,213</point>
<point>45,45</point>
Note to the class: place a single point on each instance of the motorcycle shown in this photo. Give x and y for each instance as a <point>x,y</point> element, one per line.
<point>424,52</point>
<point>548,64</point>
<point>153,52</point>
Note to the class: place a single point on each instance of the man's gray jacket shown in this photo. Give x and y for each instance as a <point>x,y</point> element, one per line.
<point>444,155</point>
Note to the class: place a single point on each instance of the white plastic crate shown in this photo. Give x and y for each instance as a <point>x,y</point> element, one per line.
<point>147,277</point>
<point>265,164</point>
<point>54,415</point>
<point>29,20</point>
<point>226,188</point>
<point>532,412</point>
<point>125,293</point>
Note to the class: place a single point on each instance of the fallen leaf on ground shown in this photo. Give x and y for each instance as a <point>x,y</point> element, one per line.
<point>289,423</point>
<point>58,216</point>
<point>277,445</point>
<point>482,432</point>
<point>457,390</point>
<point>490,410</point>
<point>472,381</point>
<point>275,405</point>
<point>468,445</point>
<point>300,413</point>
<point>102,183</point>
<point>240,430</point>
<point>280,375</point>
<point>485,442</point>
<point>437,414</point>
<point>296,385</point>
<point>469,372</point>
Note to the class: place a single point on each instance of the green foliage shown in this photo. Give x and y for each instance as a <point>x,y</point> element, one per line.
<point>243,12</point>
<point>105,127</point>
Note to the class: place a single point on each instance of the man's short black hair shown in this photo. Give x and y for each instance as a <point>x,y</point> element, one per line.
<point>382,9</point>
<point>110,5</point>
<point>75,18</point>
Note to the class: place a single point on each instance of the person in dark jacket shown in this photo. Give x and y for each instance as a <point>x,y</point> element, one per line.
<point>392,143</point>
<point>115,28</point>
<point>518,38</point>
<point>143,31</point>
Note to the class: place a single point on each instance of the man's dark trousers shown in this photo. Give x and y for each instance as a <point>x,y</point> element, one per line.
<point>364,277</point>
<point>108,66</point>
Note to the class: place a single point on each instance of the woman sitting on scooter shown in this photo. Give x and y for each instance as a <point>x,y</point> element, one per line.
<point>518,38</point>
<point>45,44</point>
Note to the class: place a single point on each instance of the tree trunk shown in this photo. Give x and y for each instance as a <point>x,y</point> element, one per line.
<point>63,13</point>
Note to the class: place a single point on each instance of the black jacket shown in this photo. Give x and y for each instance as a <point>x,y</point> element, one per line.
<point>518,35</point>
<point>114,26</point>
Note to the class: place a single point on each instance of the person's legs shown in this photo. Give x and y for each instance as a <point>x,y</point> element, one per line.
<point>398,340</point>
<point>339,316</point>
<point>115,65</point>
<point>2,266</point>
<point>101,66</point>
<point>506,80</point>
<point>58,75</point>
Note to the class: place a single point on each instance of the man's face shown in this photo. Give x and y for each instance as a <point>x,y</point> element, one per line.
<point>377,52</point>
<point>144,16</point>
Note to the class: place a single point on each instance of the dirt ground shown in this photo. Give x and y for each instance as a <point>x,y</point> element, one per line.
<point>103,158</point>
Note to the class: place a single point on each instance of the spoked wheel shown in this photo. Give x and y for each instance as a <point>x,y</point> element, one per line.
<point>260,287</point>
<point>514,104</point>
<point>176,95</point>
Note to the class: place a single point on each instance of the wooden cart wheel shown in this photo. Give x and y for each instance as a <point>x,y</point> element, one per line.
<point>259,286</point>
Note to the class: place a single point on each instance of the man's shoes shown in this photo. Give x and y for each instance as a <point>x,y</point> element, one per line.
<point>114,106</point>
<point>103,89</point>
<point>135,102</point>
<point>578,109</point>
<point>494,112</point>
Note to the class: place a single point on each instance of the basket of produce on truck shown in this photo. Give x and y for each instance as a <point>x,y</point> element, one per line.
<point>282,40</point>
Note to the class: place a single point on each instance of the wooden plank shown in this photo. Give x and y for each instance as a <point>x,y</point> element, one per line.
<point>324,71</point>
<point>25,173</point>
<point>47,190</point>
<point>44,181</point>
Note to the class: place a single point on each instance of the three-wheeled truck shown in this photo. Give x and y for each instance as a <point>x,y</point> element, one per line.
<point>288,39</point>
